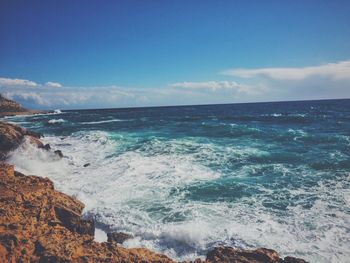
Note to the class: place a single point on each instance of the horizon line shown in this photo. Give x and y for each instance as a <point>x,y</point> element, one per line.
<point>196,105</point>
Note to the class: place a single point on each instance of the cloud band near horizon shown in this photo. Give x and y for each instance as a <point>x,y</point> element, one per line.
<point>330,80</point>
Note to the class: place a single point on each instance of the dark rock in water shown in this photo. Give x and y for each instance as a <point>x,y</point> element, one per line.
<point>293,260</point>
<point>72,220</point>
<point>59,153</point>
<point>260,255</point>
<point>45,147</point>
<point>86,165</point>
<point>118,237</point>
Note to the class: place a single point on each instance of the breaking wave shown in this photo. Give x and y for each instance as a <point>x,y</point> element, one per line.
<point>99,122</point>
<point>183,187</point>
<point>54,121</point>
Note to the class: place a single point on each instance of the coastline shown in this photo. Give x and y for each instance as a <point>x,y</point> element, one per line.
<point>20,213</point>
<point>16,113</point>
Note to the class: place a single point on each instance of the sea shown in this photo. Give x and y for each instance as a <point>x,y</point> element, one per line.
<point>185,179</point>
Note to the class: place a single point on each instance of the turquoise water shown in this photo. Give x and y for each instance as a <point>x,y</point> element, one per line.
<point>185,179</point>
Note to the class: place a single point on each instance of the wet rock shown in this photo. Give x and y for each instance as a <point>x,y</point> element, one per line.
<point>293,260</point>
<point>46,147</point>
<point>34,141</point>
<point>39,224</point>
<point>59,153</point>
<point>118,237</point>
<point>11,136</point>
<point>260,255</point>
<point>86,165</point>
<point>73,221</point>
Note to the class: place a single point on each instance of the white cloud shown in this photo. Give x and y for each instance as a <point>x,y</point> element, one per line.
<point>17,82</point>
<point>265,84</point>
<point>218,86</point>
<point>53,94</point>
<point>333,71</point>
<point>213,85</point>
<point>53,84</point>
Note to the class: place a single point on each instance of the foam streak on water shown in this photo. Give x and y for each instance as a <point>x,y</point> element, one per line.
<point>185,179</point>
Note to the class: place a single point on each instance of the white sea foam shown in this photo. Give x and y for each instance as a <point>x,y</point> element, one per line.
<point>100,235</point>
<point>138,191</point>
<point>54,121</point>
<point>105,121</point>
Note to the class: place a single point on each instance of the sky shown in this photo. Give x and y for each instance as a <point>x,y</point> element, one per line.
<point>108,54</point>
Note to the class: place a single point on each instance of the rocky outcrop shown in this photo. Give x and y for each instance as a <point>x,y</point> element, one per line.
<point>7,105</point>
<point>118,237</point>
<point>11,136</point>
<point>10,108</point>
<point>260,255</point>
<point>40,224</point>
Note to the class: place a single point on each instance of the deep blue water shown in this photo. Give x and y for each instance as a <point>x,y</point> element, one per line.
<point>184,179</point>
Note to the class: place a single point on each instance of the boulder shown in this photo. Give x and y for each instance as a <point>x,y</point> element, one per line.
<point>118,237</point>
<point>260,255</point>
<point>59,153</point>
<point>11,136</point>
<point>73,221</point>
<point>46,147</point>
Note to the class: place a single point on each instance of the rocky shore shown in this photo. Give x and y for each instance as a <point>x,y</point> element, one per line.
<point>40,224</point>
<point>10,108</point>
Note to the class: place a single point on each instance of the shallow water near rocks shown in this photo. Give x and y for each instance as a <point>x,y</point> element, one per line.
<point>185,179</point>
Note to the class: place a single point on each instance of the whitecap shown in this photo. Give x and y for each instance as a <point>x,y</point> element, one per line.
<point>139,191</point>
<point>105,121</point>
<point>54,121</point>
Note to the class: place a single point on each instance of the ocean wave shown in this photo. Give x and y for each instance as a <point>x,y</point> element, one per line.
<point>146,191</point>
<point>55,121</point>
<point>105,121</point>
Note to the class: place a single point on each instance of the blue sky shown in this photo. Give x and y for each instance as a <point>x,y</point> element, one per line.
<point>140,53</point>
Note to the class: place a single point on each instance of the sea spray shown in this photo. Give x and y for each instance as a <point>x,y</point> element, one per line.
<point>271,175</point>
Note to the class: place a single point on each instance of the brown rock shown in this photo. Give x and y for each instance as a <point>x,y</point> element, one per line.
<point>10,108</point>
<point>118,237</point>
<point>7,105</point>
<point>7,169</point>
<point>260,255</point>
<point>11,136</point>
<point>73,221</point>
<point>293,260</point>
<point>39,224</point>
